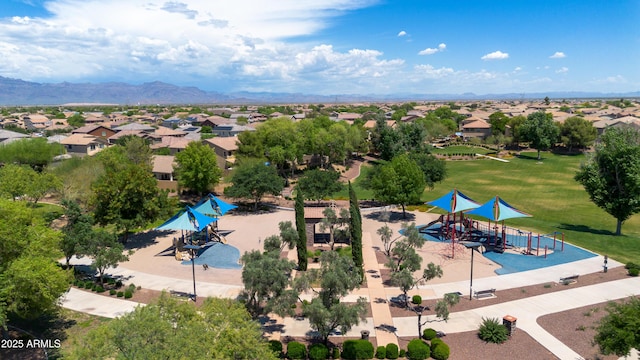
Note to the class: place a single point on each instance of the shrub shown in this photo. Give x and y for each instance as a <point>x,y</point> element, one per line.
<point>492,331</point>
<point>128,294</point>
<point>418,350</point>
<point>318,352</point>
<point>99,289</point>
<point>416,299</point>
<point>276,347</point>
<point>357,349</point>
<point>392,351</point>
<point>634,271</point>
<point>435,342</point>
<point>88,285</point>
<point>440,350</point>
<point>336,353</point>
<point>402,353</point>
<point>381,352</point>
<point>132,288</point>
<point>119,294</point>
<point>296,350</point>
<point>631,265</point>
<point>119,283</point>
<point>112,292</point>
<point>429,334</point>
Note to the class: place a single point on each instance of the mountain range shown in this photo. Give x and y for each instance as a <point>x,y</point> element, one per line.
<point>19,92</point>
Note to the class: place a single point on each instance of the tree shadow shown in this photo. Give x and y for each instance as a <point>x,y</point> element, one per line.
<point>528,157</point>
<point>269,325</point>
<point>144,239</point>
<point>393,216</point>
<point>586,229</point>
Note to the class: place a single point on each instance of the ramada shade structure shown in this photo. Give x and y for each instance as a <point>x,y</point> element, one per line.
<point>497,210</point>
<point>213,206</point>
<point>454,202</point>
<point>187,219</point>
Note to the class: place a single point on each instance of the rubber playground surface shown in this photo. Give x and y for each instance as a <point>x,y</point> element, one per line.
<point>218,255</point>
<point>522,256</point>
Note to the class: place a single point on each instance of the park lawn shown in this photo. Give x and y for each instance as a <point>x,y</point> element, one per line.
<point>547,191</point>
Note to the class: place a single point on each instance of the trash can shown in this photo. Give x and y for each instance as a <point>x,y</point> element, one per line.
<point>510,322</point>
<point>364,334</point>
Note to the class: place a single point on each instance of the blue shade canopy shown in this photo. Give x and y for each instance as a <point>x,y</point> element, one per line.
<point>187,219</point>
<point>497,209</point>
<point>454,201</point>
<point>212,206</point>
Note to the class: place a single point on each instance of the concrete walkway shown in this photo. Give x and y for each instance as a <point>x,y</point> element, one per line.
<point>525,310</point>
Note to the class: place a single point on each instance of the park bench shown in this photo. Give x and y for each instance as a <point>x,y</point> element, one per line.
<point>569,279</point>
<point>484,293</point>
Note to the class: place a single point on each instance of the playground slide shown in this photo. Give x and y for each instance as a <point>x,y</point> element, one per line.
<point>425,228</point>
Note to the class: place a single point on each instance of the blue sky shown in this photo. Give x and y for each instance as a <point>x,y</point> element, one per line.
<point>328,46</point>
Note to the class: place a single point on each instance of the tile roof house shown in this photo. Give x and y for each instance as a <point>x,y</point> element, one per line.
<point>83,144</point>
<point>135,126</point>
<point>230,130</point>
<point>225,148</point>
<point>476,129</point>
<point>163,167</point>
<point>36,122</point>
<point>95,130</point>
<point>7,136</point>
<point>174,144</point>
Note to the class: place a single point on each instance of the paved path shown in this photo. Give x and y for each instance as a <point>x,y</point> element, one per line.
<point>526,310</point>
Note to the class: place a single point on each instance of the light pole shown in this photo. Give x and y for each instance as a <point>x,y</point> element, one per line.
<point>193,249</point>
<point>473,245</point>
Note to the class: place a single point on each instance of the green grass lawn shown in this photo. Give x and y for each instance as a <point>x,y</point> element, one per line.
<point>547,191</point>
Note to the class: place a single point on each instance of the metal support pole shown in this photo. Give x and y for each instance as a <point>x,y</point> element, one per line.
<point>193,271</point>
<point>471,277</point>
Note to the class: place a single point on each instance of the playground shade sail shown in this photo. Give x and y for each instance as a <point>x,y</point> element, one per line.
<point>497,209</point>
<point>454,201</point>
<point>213,206</point>
<point>187,219</point>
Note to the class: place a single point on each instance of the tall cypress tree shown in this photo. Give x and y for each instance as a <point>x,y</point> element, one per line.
<point>355,229</point>
<point>301,246</point>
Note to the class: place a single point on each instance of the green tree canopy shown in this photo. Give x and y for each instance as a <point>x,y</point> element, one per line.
<point>337,277</point>
<point>30,280</point>
<point>252,180</point>
<point>318,184</point>
<point>433,169</point>
<point>265,277</point>
<point>197,168</point>
<point>498,121</point>
<point>577,132</point>
<point>540,131</point>
<point>301,228</point>
<point>612,176</point>
<point>126,194</point>
<point>400,181</point>
<point>171,329</point>
<point>36,153</point>
<point>618,332</point>
<point>104,249</point>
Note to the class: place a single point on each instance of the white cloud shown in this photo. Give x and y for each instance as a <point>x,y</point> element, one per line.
<point>429,72</point>
<point>431,51</point>
<point>562,70</point>
<point>402,33</point>
<point>558,55</point>
<point>496,55</point>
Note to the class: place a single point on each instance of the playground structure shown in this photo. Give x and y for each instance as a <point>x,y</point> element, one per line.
<point>497,238</point>
<point>457,226</point>
<point>201,226</point>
